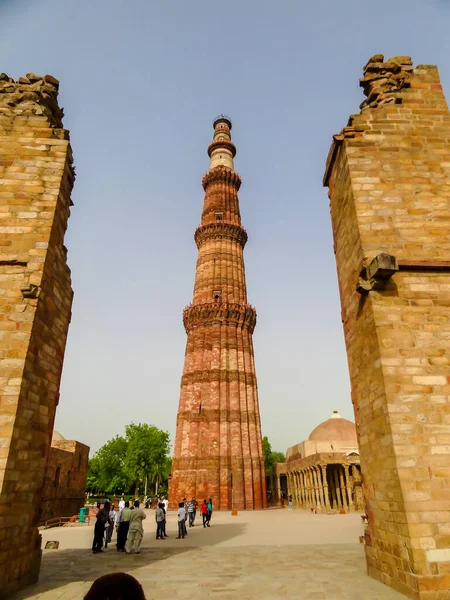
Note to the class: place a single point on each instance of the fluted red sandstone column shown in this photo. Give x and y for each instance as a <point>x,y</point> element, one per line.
<point>218,444</point>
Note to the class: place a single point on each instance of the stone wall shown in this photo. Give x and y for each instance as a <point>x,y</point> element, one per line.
<point>36,179</point>
<point>388,172</point>
<point>65,480</point>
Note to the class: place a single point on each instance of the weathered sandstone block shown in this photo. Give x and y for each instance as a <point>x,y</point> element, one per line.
<point>36,179</point>
<point>388,172</point>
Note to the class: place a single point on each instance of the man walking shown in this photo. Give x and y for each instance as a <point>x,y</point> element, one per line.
<point>136,530</point>
<point>181,520</point>
<point>204,511</point>
<point>160,517</point>
<point>123,521</point>
<point>109,526</point>
<point>190,508</point>
<point>99,529</point>
<point>195,503</point>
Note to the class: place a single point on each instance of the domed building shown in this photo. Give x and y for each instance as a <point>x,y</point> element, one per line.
<point>322,472</point>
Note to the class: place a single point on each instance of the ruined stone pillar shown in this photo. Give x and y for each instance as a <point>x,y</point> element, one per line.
<point>388,172</point>
<point>348,485</point>
<point>36,179</point>
<point>325,486</point>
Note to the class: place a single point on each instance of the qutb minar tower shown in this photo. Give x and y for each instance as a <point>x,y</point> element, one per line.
<point>218,445</point>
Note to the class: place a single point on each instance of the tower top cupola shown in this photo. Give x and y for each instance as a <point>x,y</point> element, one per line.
<point>221,150</point>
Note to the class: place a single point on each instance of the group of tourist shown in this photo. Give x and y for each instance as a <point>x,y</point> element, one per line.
<point>188,510</point>
<point>128,522</point>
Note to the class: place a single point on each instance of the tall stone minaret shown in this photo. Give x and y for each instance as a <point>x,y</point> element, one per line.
<point>218,445</point>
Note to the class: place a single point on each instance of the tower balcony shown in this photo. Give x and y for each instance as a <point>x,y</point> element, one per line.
<point>221,174</point>
<point>215,313</point>
<point>220,230</point>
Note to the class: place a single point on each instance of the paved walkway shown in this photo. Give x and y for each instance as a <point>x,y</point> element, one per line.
<point>256,555</point>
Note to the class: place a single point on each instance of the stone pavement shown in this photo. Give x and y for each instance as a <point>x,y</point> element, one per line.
<point>265,555</point>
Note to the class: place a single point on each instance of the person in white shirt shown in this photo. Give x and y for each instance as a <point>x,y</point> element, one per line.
<point>166,508</point>
<point>181,520</point>
<point>121,503</point>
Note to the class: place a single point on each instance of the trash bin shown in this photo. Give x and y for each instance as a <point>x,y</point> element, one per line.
<point>83,513</point>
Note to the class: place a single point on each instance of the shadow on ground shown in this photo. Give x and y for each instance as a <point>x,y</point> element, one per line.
<point>62,567</point>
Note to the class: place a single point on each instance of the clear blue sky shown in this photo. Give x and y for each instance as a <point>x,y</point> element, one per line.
<point>140,84</point>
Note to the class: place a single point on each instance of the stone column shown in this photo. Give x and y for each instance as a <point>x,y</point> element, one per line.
<point>322,498</point>
<point>302,489</point>
<point>348,484</point>
<point>337,489</point>
<point>325,486</point>
<point>342,487</point>
<point>305,489</point>
<point>305,478</point>
<point>311,487</point>
<point>278,485</point>
<point>316,488</point>
<point>306,483</point>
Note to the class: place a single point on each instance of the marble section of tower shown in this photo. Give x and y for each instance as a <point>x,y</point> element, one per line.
<point>218,446</point>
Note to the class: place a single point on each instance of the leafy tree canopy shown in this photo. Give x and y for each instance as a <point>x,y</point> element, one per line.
<point>147,450</point>
<point>125,461</point>
<point>271,457</point>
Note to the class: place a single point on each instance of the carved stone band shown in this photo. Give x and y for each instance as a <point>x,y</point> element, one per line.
<point>208,376</point>
<point>220,230</point>
<point>212,313</point>
<point>221,174</point>
<point>215,462</point>
<point>217,416</point>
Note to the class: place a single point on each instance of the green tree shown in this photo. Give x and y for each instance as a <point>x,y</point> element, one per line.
<point>93,477</point>
<point>271,457</point>
<point>106,470</point>
<point>267,450</point>
<point>278,457</point>
<point>147,450</point>
<point>160,474</point>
